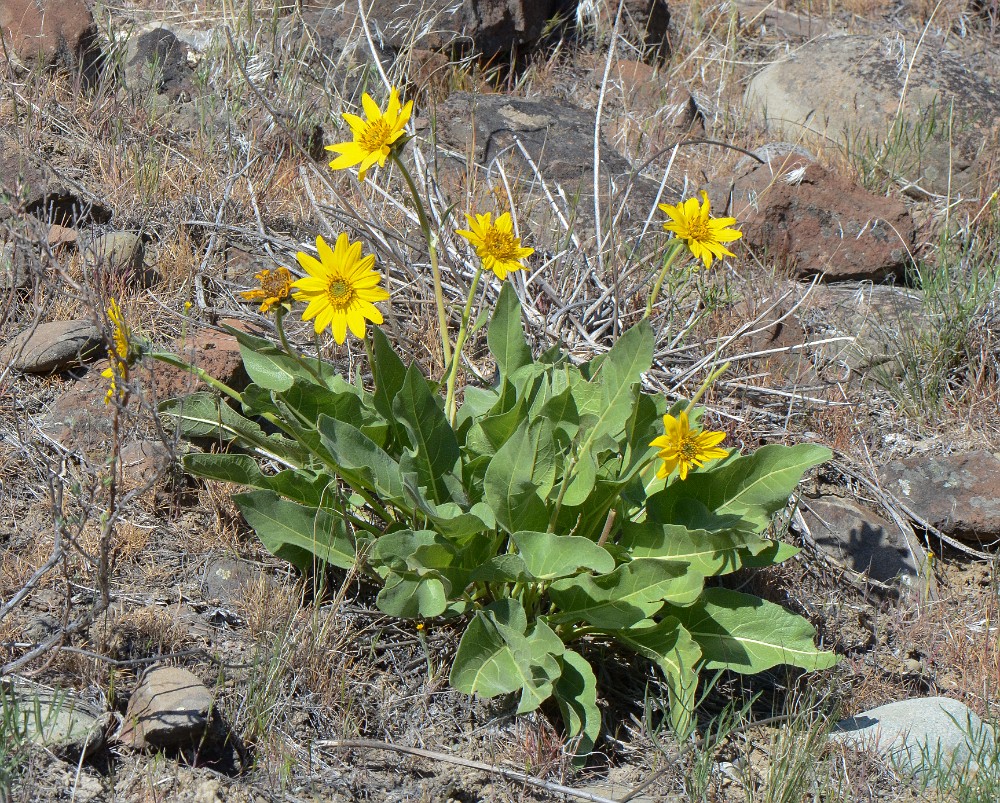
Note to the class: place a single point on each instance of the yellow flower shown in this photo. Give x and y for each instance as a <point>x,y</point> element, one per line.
<point>341,288</point>
<point>374,137</point>
<point>498,248</point>
<point>120,350</point>
<point>275,287</point>
<point>704,235</point>
<point>683,446</point>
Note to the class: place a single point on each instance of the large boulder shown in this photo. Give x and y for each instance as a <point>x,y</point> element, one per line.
<point>547,148</point>
<point>927,120</point>
<point>50,33</point>
<point>490,26</point>
<point>812,221</point>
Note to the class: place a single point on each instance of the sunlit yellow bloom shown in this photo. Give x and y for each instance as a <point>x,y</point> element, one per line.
<point>373,138</point>
<point>703,234</point>
<point>498,248</point>
<point>682,446</point>
<point>341,288</point>
<point>275,287</point>
<point>119,352</point>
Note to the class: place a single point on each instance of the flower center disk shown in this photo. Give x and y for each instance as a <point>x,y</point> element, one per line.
<point>340,292</point>
<point>500,244</point>
<point>375,135</point>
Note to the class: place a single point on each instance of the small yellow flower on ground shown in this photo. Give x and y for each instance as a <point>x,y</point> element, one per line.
<point>374,137</point>
<point>275,287</point>
<point>341,288</point>
<point>704,234</point>
<point>120,348</point>
<point>495,243</point>
<point>682,446</point>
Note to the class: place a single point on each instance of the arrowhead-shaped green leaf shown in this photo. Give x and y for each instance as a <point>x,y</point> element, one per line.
<point>548,556</point>
<point>576,694</point>
<point>519,477</point>
<point>746,634</point>
<point>505,336</point>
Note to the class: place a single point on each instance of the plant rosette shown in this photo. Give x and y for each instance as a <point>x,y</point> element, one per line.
<point>539,514</point>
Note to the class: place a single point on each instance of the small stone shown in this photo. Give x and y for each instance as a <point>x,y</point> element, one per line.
<point>60,721</point>
<point>120,254</point>
<point>910,732</point>
<point>171,707</point>
<point>224,578</point>
<point>144,461</point>
<point>53,346</point>
<point>860,539</point>
<point>218,353</point>
<point>959,494</point>
<point>61,235</point>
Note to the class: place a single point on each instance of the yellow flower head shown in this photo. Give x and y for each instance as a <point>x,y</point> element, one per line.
<point>682,446</point>
<point>341,288</point>
<point>120,350</point>
<point>704,235</point>
<point>374,137</point>
<point>275,287</point>
<point>498,248</point>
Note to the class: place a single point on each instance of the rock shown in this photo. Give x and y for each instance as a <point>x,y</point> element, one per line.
<point>170,707</point>
<point>218,353</point>
<point>60,721</point>
<point>33,188</point>
<point>225,579</point>
<point>145,461</point>
<point>911,733</point>
<point>119,255</point>
<point>53,33</point>
<point>53,346</point>
<point>644,22</point>
<point>156,63</point>
<point>847,89</point>
<point>861,540</point>
<point>959,494</point>
<point>768,22</point>
<point>490,26</point>
<point>15,266</point>
<point>801,215</point>
<point>559,140</point>
<point>79,418</point>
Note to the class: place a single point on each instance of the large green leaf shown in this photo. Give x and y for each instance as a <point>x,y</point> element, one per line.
<point>389,372</point>
<point>303,403</point>
<point>268,365</point>
<point>619,371</point>
<point>519,477</point>
<point>576,694</point>
<point>499,655</point>
<point>746,634</point>
<point>436,449</point>
<point>631,593</point>
<point>671,647</point>
<point>204,415</point>
<point>303,536</point>
<point>548,556</point>
<point>361,460</point>
<point>308,488</point>
<point>505,336</point>
<point>491,432</point>
<point>754,486</point>
<point>411,596</point>
<point>708,553</point>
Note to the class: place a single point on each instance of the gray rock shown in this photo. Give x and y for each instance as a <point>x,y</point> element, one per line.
<point>144,461</point>
<point>914,733</point>
<point>156,63</point>
<point>559,140</point>
<point>847,90</point>
<point>958,494</point>
<point>118,254</point>
<point>490,26</point>
<point>861,540</point>
<point>60,721</point>
<point>53,346</point>
<point>169,708</point>
<point>225,578</point>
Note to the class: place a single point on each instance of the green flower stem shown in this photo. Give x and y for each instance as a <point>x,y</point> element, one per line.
<point>172,359</point>
<point>567,478</point>
<point>676,247</point>
<point>293,353</point>
<point>463,333</point>
<point>705,386</point>
<point>425,227</point>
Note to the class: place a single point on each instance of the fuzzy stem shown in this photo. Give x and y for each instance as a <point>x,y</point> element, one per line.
<point>676,247</point>
<point>463,333</point>
<point>425,227</point>
<point>279,325</point>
